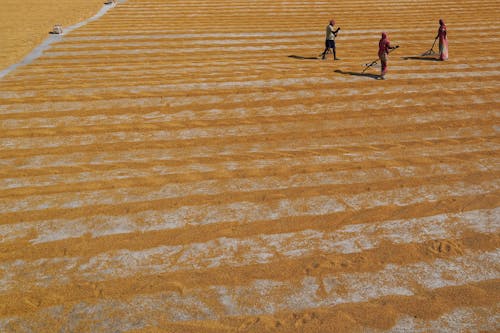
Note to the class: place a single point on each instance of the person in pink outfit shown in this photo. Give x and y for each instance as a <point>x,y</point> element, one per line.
<point>443,41</point>
<point>384,46</point>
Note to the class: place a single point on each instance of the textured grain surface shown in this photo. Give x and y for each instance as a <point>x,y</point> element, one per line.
<point>24,24</point>
<point>187,166</point>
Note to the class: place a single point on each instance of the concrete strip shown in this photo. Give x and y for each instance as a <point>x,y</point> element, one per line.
<point>39,50</point>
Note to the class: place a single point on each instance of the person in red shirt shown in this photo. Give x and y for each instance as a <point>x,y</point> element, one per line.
<point>384,46</point>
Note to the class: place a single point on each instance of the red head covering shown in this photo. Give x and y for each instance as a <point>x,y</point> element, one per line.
<point>442,29</point>
<point>383,44</point>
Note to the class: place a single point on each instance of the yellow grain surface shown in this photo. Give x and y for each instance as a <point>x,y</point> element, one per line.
<point>191,166</point>
<point>25,24</point>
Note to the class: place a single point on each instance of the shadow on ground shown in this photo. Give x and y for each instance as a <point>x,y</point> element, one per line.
<point>302,57</point>
<point>368,75</point>
<point>420,58</point>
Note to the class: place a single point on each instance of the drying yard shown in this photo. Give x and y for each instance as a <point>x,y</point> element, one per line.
<point>192,166</point>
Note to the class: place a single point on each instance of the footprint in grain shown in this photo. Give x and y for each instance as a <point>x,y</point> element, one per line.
<point>305,318</point>
<point>261,324</point>
<point>445,247</point>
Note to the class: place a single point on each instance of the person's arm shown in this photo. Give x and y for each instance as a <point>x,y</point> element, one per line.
<point>389,47</point>
<point>393,47</point>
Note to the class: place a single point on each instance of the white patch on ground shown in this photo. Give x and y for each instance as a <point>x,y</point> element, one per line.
<point>351,32</point>
<point>214,187</point>
<point>234,252</point>
<point>150,220</point>
<point>268,296</point>
<point>155,155</point>
<point>35,273</point>
<point>248,83</point>
<point>474,319</point>
<point>159,41</point>
<point>131,71</point>
<point>101,225</point>
<point>209,47</point>
<point>274,296</point>
<point>186,101</point>
<point>352,123</point>
<point>402,280</point>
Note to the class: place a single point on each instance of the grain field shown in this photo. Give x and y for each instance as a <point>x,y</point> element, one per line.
<point>193,166</point>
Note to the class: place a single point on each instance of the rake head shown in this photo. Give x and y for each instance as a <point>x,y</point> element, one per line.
<point>429,53</point>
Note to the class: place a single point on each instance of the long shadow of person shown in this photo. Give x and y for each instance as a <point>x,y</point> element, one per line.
<point>368,75</point>
<point>302,58</point>
<point>420,58</point>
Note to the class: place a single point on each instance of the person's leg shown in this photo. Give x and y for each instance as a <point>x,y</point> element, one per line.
<point>443,49</point>
<point>329,45</point>
<point>334,51</point>
<point>383,70</point>
<point>323,55</point>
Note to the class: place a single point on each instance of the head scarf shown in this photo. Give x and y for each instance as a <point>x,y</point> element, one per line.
<point>442,27</point>
<point>383,44</point>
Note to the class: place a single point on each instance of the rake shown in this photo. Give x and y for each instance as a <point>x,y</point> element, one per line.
<point>431,51</point>
<point>374,62</point>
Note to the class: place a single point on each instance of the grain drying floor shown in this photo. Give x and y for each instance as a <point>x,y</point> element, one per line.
<point>24,24</point>
<point>186,166</point>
